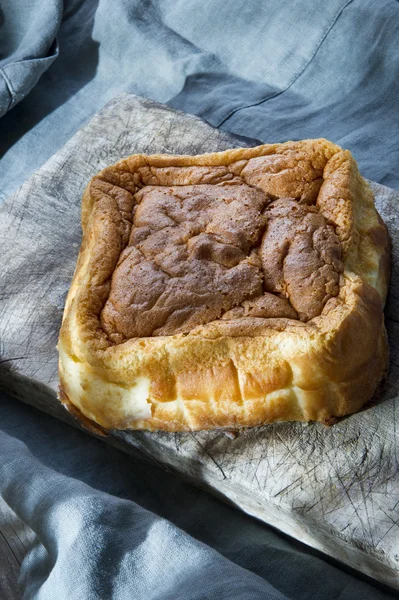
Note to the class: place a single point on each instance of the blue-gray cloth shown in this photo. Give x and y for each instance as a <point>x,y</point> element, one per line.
<point>107,526</point>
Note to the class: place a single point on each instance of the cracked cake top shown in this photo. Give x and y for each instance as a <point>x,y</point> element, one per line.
<point>201,252</point>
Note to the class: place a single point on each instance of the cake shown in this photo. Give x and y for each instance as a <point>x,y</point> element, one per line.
<point>226,290</point>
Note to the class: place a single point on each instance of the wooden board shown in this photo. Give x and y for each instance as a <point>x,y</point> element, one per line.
<point>336,489</point>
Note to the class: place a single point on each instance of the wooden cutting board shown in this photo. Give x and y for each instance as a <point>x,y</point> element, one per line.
<point>336,489</point>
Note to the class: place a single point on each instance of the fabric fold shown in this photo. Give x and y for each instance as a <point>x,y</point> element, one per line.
<point>28,46</point>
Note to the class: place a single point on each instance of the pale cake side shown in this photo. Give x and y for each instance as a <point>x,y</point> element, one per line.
<point>226,290</point>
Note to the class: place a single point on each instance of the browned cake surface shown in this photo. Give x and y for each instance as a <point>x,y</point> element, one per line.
<point>227,289</point>
<point>197,253</point>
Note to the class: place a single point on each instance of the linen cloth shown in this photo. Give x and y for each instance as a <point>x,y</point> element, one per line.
<point>108,526</point>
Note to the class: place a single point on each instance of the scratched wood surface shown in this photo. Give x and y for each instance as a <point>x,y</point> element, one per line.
<point>336,489</point>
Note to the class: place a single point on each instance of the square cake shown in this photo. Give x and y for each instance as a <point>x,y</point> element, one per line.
<point>226,290</point>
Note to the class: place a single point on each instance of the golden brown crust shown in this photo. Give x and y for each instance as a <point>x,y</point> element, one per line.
<point>259,363</point>
<point>90,425</point>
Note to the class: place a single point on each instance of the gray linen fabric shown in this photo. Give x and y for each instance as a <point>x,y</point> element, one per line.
<point>27,46</point>
<point>108,526</point>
